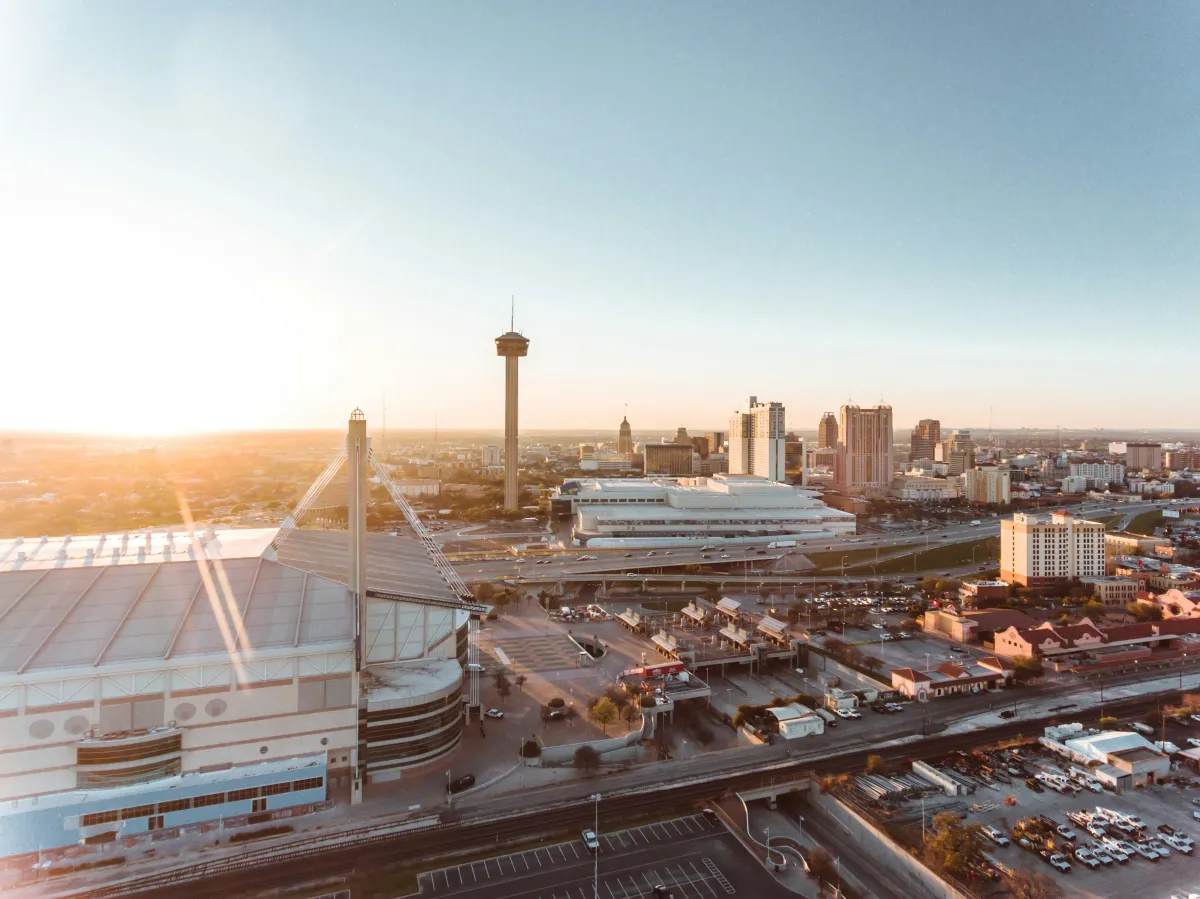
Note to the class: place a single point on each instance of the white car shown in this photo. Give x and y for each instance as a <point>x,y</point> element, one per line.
<point>850,713</point>
<point>590,840</point>
<point>841,713</point>
<point>494,713</point>
<point>995,836</point>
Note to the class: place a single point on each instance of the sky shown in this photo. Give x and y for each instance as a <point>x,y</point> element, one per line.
<point>222,216</point>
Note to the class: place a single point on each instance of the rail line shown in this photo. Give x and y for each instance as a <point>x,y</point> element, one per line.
<point>358,851</point>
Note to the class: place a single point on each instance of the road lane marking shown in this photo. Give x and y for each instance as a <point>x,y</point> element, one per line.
<point>687,822</point>
<point>574,849</point>
<point>560,852</point>
<point>610,892</point>
<point>676,826</point>
<point>524,859</point>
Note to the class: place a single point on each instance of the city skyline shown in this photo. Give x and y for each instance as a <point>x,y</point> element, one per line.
<point>237,218</point>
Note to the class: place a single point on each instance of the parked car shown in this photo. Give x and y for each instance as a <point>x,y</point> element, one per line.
<point>494,713</point>
<point>590,840</point>
<point>995,836</point>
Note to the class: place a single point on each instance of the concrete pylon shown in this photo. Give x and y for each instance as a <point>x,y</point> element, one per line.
<point>512,346</point>
<point>358,447</point>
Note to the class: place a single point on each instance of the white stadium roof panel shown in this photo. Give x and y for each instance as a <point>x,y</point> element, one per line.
<point>73,602</point>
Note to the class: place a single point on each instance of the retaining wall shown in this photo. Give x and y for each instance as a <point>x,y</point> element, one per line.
<point>913,878</point>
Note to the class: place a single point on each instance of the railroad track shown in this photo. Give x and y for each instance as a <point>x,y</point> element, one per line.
<point>375,847</point>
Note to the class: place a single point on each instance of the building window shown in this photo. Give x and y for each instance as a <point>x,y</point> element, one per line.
<point>276,789</point>
<point>100,818</point>
<point>240,795</point>
<point>138,811</point>
<point>210,799</point>
<point>175,805</point>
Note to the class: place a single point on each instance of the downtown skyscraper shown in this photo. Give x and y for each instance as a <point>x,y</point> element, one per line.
<point>864,457</point>
<point>758,441</point>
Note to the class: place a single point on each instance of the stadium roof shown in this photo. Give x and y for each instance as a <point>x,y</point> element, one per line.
<point>89,617</point>
<point>74,603</point>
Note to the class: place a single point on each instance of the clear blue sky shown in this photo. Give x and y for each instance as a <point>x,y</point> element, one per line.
<point>241,215</point>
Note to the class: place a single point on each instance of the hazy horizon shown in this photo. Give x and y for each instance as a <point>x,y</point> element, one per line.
<point>232,217</point>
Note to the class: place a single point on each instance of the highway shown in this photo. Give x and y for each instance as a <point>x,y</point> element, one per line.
<point>555,566</point>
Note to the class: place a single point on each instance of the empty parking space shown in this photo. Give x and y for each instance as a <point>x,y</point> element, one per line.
<point>700,879</point>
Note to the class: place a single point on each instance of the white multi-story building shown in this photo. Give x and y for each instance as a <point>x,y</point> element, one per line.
<point>1038,550</point>
<point>758,441</point>
<point>1074,484</point>
<point>1099,474</point>
<point>1152,487</point>
<point>491,456</point>
<point>652,511</point>
<point>864,457</point>
<point>988,484</point>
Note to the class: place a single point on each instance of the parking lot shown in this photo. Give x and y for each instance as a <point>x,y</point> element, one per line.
<point>1159,804</point>
<point>693,858</point>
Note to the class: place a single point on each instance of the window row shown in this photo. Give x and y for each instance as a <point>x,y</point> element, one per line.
<point>209,799</point>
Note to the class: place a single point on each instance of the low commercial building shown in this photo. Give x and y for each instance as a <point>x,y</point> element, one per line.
<point>973,627</point>
<point>979,594</point>
<point>1131,544</point>
<point>951,678</point>
<point>797,721</point>
<point>692,510</point>
<point>1120,760</point>
<point>1152,487</point>
<point>919,489</point>
<point>1073,484</point>
<point>1048,640</point>
<point>1175,603</point>
<point>1114,592</point>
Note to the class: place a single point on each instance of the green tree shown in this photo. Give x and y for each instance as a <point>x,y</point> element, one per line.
<point>604,713</point>
<point>484,592</point>
<point>955,847</point>
<point>587,759</point>
<point>1026,884</point>
<point>1026,668</point>
<point>1108,721</point>
<point>876,764</point>
<point>530,749</point>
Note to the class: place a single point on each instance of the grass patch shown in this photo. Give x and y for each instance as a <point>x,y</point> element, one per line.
<point>665,605</point>
<point>832,561</point>
<point>1145,523</point>
<point>953,555</point>
<point>1109,521</point>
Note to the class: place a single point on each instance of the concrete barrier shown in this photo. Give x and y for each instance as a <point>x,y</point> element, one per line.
<point>913,878</point>
<point>611,749</point>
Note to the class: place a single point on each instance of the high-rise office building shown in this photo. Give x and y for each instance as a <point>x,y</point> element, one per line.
<point>958,452</point>
<point>925,438</point>
<point>625,438</point>
<point>512,346</point>
<point>827,431</point>
<point>989,484</point>
<point>491,456</point>
<point>716,441</point>
<point>673,459</point>
<point>1143,455</point>
<point>757,441</point>
<point>864,458</point>
<point>681,435</point>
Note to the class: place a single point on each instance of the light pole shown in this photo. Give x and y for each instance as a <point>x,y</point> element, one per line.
<point>449,795</point>
<point>843,567</point>
<point>596,861</point>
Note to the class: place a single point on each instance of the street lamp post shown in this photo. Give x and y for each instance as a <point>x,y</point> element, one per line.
<point>449,795</point>
<point>843,567</point>
<point>596,860</point>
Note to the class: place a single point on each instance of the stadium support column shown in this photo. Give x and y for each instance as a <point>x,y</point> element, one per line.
<point>512,346</point>
<point>358,448</point>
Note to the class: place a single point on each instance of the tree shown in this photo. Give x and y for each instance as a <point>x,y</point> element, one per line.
<point>1144,611</point>
<point>1026,884</point>
<point>876,764</point>
<point>557,702</point>
<point>834,645</point>
<point>1108,721</point>
<point>587,759</point>
<point>820,863</point>
<point>872,663</point>
<point>618,695</point>
<point>955,847</point>
<point>530,749</point>
<point>503,685</point>
<point>1026,668</point>
<point>520,680</point>
<point>485,592</point>
<point>853,655</point>
<point>604,713</point>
